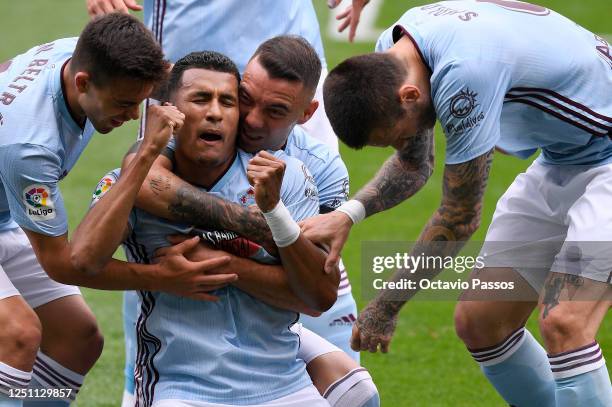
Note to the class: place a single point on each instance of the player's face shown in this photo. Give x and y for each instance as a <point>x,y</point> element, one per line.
<point>209,100</point>
<point>269,108</point>
<point>108,107</point>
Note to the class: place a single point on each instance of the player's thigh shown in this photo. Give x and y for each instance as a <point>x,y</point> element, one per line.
<point>485,317</point>
<point>572,309</point>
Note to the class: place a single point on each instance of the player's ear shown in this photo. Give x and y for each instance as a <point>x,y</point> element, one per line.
<point>409,93</point>
<point>82,81</point>
<point>309,111</point>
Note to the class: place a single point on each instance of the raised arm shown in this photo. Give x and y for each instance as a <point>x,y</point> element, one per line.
<point>302,260</point>
<point>455,220</point>
<point>96,8</point>
<point>165,195</point>
<point>102,230</point>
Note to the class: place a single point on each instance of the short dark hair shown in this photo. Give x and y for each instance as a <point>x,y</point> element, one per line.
<point>210,60</point>
<point>117,45</point>
<point>292,58</point>
<point>361,94</point>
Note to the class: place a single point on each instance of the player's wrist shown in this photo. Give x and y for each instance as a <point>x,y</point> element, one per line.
<point>354,210</point>
<point>285,231</point>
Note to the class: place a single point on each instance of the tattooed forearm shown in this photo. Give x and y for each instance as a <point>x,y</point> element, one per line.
<point>205,210</point>
<point>402,175</point>
<point>451,225</point>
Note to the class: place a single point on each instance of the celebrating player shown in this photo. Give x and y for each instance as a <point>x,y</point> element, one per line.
<point>237,350</point>
<point>496,74</point>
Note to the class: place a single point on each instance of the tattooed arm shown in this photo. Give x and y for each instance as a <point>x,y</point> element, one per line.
<point>401,176</point>
<point>168,196</point>
<point>453,223</point>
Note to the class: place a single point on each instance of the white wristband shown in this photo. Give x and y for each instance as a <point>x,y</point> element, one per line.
<point>354,209</point>
<point>285,230</point>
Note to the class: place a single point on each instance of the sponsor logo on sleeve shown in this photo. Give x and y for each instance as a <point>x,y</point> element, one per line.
<point>102,188</point>
<point>38,203</point>
<point>463,107</point>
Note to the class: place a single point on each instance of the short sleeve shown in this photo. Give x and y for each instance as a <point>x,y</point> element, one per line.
<point>298,191</point>
<point>30,174</point>
<point>104,185</point>
<point>333,185</point>
<point>468,98</point>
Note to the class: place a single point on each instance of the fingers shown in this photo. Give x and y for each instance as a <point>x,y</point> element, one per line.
<point>133,5</point>
<point>216,279</point>
<point>355,15</point>
<point>183,247</point>
<point>333,259</point>
<point>119,6</point>
<point>210,264</point>
<point>176,239</point>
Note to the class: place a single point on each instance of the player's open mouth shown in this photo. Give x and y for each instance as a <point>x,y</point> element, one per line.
<point>116,123</point>
<point>210,136</point>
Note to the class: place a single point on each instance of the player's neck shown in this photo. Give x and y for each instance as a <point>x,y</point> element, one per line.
<point>71,95</point>
<point>410,57</point>
<point>201,174</point>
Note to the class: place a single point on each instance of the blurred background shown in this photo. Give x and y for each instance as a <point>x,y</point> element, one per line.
<point>427,365</point>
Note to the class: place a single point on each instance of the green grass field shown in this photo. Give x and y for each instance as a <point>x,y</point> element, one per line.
<point>427,365</point>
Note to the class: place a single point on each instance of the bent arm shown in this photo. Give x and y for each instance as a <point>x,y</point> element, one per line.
<point>103,228</point>
<point>54,255</point>
<point>166,195</point>
<point>401,176</point>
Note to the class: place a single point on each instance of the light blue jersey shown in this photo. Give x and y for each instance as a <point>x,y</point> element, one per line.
<point>232,27</point>
<point>39,140</point>
<point>236,351</point>
<point>516,76</point>
<point>331,177</point>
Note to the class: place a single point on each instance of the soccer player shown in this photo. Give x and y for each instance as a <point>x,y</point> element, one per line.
<point>170,197</point>
<point>52,98</point>
<point>237,350</point>
<point>496,74</point>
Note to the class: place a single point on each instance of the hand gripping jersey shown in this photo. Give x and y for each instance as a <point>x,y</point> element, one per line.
<point>39,140</point>
<point>233,27</point>
<point>516,76</point>
<point>236,351</point>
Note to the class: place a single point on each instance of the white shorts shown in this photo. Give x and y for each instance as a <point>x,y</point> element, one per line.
<point>21,274</point>
<point>311,344</point>
<point>307,397</point>
<point>554,218</point>
<point>318,126</point>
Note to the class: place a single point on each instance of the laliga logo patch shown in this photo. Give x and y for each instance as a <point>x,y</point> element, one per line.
<point>463,103</point>
<point>103,186</point>
<point>37,199</point>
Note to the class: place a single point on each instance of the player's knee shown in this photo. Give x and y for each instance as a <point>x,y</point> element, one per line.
<point>90,342</point>
<point>469,322</point>
<point>21,336</point>
<point>560,327</point>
